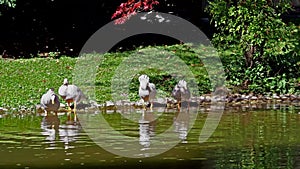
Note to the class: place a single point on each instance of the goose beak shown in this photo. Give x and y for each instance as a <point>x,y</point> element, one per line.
<point>52,99</point>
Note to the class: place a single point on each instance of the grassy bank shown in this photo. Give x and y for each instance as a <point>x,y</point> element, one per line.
<point>23,81</point>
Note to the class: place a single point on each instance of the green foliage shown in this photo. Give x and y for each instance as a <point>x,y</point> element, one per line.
<point>6,4</point>
<point>256,46</point>
<point>9,3</point>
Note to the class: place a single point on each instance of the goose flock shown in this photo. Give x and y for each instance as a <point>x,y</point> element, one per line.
<point>68,92</point>
<point>72,95</point>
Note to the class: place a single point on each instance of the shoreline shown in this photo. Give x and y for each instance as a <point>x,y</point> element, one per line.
<point>204,102</point>
<point>229,101</point>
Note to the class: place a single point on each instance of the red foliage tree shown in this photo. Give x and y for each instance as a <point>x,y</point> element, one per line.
<point>131,7</point>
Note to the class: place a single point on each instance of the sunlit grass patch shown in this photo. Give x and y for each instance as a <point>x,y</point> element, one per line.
<point>23,81</point>
<point>159,63</point>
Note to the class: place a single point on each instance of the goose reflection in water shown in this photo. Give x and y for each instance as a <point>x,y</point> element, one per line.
<point>181,125</point>
<point>147,125</point>
<point>56,132</point>
<point>50,127</point>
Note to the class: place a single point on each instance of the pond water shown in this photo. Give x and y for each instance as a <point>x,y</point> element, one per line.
<point>244,138</point>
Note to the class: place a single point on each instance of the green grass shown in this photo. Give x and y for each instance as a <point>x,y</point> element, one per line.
<point>24,81</point>
<point>157,65</point>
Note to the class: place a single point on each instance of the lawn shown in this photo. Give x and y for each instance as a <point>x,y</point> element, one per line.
<point>23,81</point>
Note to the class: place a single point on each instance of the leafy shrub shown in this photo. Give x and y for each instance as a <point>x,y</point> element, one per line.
<point>9,3</point>
<point>256,46</point>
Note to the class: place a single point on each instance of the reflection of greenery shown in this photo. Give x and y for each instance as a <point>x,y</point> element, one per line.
<point>263,139</point>
<point>121,124</point>
<point>252,139</point>
<point>15,128</point>
<point>249,139</point>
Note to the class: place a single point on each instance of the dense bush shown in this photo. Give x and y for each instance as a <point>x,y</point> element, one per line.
<point>260,51</point>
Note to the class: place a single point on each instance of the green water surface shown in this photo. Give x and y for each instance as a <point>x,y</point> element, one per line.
<point>244,138</point>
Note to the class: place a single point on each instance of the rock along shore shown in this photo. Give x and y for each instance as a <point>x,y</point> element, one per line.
<point>235,100</point>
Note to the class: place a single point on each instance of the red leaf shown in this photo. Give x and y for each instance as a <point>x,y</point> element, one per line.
<point>131,7</point>
<point>146,7</point>
<point>137,5</point>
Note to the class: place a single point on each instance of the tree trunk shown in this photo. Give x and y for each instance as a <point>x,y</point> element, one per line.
<point>249,56</point>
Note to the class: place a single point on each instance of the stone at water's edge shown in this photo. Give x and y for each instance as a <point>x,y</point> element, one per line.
<point>170,103</point>
<point>230,100</point>
<point>3,110</point>
<point>62,105</point>
<point>39,110</point>
<point>109,104</point>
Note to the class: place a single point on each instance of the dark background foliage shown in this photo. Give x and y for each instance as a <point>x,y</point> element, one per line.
<point>37,26</point>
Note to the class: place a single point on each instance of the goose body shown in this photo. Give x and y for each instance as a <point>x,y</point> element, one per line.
<point>71,94</point>
<point>147,90</point>
<point>181,92</point>
<point>50,102</point>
